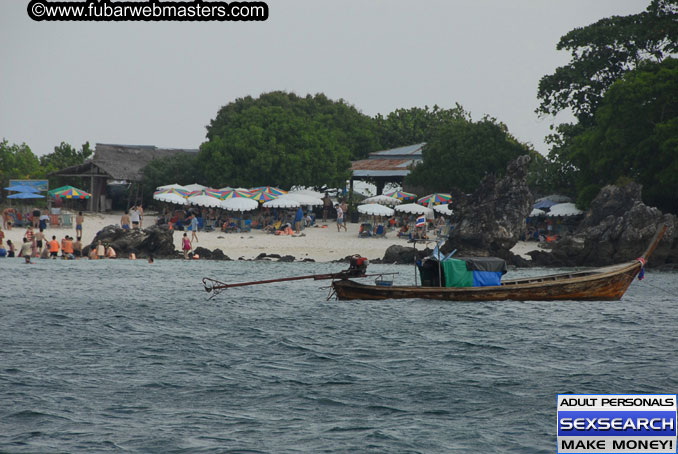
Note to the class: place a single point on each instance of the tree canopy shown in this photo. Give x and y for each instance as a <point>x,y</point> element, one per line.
<point>18,161</point>
<point>634,135</point>
<point>283,139</point>
<point>414,125</point>
<point>461,152</point>
<point>602,52</point>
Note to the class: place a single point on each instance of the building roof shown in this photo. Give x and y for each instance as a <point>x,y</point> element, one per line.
<point>121,162</point>
<point>407,152</point>
<point>383,167</point>
<point>395,162</point>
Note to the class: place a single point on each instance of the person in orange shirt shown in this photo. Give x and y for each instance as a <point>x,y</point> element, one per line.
<point>53,247</point>
<point>67,249</point>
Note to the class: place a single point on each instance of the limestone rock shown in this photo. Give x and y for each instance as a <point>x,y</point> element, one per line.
<point>155,240</point>
<point>490,221</point>
<point>617,228</point>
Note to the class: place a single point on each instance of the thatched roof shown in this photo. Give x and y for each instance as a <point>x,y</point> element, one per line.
<point>121,162</point>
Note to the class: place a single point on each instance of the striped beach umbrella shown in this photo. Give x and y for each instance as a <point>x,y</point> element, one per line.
<point>71,193</point>
<point>263,196</point>
<point>436,198</point>
<point>236,193</point>
<point>402,195</point>
<point>269,190</point>
<point>181,192</point>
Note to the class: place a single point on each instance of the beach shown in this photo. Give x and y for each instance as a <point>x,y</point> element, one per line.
<point>322,244</point>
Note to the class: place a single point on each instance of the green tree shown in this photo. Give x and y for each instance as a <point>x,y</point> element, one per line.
<point>64,155</point>
<point>404,127</point>
<point>461,152</point>
<point>601,53</point>
<point>18,161</point>
<point>283,139</point>
<point>179,168</point>
<point>634,135</point>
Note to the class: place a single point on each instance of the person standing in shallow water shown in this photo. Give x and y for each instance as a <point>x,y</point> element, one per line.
<point>186,245</point>
<point>79,219</point>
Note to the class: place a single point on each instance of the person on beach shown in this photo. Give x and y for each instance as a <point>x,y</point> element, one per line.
<point>92,253</point>
<point>53,247</point>
<point>35,252</point>
<point>101,250</point>
<point>77,248</point>
<point>44,219</point>
<point>2,236</point>
<point>7,218</point>
<point>134,216</point>
<point>79,219</point>
<point>45,251</point>
<point>110,252</point>
<point>67,250</point>
<point>40,238</point>
<point>150,259</point>
<point>25,250</point>
<point>194,228</point>
<point>140,210</point>
<point>340,218</point>
<point>186,245</point>
<point>10,248</point>
<point>298,219</point>
<point>36,218</point>
<point>327,204</point>
<point>125,221</point>
<point>29,233</point>
<point>3,251</point>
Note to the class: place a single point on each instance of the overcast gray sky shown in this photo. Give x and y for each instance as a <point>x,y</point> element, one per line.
<point>161,83</point>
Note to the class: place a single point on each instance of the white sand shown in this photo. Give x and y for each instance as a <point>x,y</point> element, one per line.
<point>319,244</point>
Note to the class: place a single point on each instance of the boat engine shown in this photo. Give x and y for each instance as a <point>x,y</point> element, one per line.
<point>357,266</point>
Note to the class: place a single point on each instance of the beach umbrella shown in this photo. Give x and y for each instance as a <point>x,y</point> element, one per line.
<point>306,191</point>
<point>544,204</point>
<point>239,204</point>
<point>443,209</point>
<point>22,188</point>
<point>235,193</point>
<point>383,200</point>
<point>436,198</point>
<point>282,202</point>
<point>26,195</point>
<point>536,213</point>
<point>303,199</point>
<point>269,190</point>
<point>375,209</point>
<point>415,208</point>
<point>69,192</point>
<point>173,186</point>
<point>203,200</point>
<point>564,209</point>
<point>402,195</point>
<point>262,196</point>
<point>171,197</point>
<point>195,187</point>
<point>181,192</point>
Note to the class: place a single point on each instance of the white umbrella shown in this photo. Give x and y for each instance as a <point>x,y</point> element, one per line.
<point>564,209</point>
<point>204,200</point>
<point>173,186</point>
<point>383,200</point>
<point>443,209</point>
<point>375,209</point>
<point>171,198</point>
<point>308,192</point>
<point>282,202</point>
<point>303,199</point>
<point>195,187</point>
<point>415,208</point>
<point>537,212</point>
<point>239,204</point>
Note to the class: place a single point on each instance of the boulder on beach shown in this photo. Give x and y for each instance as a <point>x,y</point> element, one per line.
<point>617,228</point>
<point>155,240</point>
<point>490,221</point>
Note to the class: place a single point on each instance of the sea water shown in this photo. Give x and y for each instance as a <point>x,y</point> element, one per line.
<point>125,356</point>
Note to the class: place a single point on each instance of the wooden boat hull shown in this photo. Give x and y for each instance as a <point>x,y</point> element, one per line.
<point>601,284</point>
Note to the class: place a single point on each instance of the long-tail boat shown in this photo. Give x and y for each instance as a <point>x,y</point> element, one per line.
<point>599,284</point>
